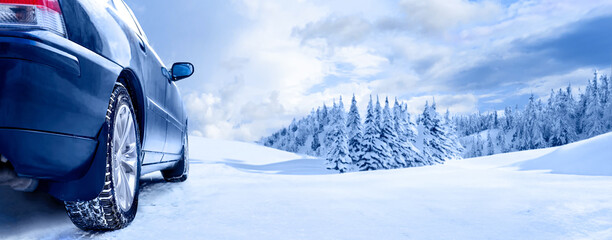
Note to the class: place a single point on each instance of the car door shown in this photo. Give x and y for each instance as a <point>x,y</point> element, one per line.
<point>154,85</point>
<point>176,122</point>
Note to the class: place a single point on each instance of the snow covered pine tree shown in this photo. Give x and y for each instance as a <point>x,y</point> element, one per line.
<point>355,133</point>
<point>338,156</point>
<point>388,135</point>
<point>406,134</point>
<point>375,151</point>
<point>438,146</point>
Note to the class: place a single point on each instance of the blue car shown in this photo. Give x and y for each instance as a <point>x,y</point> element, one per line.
<point>87,107</point>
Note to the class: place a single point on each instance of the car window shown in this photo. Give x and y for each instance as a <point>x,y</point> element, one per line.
<point>125,14</point>
<point>142,33</point>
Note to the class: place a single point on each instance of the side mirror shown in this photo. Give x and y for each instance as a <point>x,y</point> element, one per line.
<point>182,70</point>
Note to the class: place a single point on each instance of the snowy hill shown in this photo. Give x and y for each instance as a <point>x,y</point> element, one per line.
<point>589,157</point>
<point>245,191</point>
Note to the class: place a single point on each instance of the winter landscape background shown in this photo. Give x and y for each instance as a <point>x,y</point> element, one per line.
<point>463,120</point>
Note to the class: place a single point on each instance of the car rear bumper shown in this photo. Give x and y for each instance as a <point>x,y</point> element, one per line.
<point>53,100</point>
<point>48,156</point>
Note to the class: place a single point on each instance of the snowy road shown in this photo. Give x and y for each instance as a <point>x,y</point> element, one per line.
<point>244,191</point>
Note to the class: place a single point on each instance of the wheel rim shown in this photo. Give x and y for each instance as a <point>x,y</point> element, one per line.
<point>125,158</point>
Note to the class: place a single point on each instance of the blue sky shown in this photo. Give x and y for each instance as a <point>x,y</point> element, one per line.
<point>261,63</point>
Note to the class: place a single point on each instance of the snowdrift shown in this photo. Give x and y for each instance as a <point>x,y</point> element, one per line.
<point>592,157</point>
<point>211,150</point>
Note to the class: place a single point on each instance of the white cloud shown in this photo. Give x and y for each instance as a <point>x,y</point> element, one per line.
<point>364,61</point>
<point>262,82</point>
<point>541,87</point>
<point>345,30</point>
<point>438,16</point>
<point>497,100</point>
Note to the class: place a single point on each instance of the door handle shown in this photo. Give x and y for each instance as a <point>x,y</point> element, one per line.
<point>142,44</point>
<point>167,74</point>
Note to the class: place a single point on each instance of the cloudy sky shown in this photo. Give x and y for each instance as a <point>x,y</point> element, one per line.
<point>261,63</point>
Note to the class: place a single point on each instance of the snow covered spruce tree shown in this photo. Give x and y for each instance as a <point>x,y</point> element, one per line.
<point>355,133</point>
<point>438,147</point>
<point>529,133</point>
<point>375,152</point>
<point>410,126</point>
<point>606,98</point>
<point>478,148</point>
<point>608,109</point>
<point>406,135</point>
<point>378,113</point>
<point>338,155</point>
<point>388,135</point>
<point>329,136</point>
<point>592,122</point>
<point>562,118</point>
<point>451,133</point>
<point>317,132</point>
<point>324,120</point>
<point>490,145</point>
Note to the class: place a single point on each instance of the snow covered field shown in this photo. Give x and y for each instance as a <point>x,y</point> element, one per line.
<point>245,191</point>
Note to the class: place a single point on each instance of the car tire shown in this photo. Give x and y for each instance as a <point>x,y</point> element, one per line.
<point>180,171</point>
<point>116,206</point>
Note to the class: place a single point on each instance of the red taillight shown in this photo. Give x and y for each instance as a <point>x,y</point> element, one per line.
<point>51,4</point>
<point>32,14</point>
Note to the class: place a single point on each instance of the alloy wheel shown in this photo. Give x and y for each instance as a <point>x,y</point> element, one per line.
<point>125,158</point>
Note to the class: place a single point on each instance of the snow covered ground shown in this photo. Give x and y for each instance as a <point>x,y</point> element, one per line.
<point>245,191</point>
